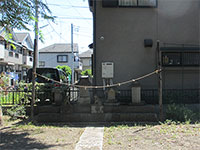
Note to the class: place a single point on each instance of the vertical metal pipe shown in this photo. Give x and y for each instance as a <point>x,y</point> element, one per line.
<point>160,88</point>
<point>72,49</point>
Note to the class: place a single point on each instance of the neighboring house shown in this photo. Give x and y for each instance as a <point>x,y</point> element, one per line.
<point>60,54</point>
<point>13,53</point>
<point>126,33</point>
<point>86,59</point>
<point>25,40</point>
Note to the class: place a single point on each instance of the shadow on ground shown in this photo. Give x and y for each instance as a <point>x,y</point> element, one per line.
<point>18,140</point>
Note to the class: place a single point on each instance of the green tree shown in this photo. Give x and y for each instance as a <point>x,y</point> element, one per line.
<point>20,13</point>
<point>87,72</point>
<point>65,68</point>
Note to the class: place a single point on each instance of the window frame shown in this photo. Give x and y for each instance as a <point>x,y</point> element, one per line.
<point>181,53</point>
<point>62,60</point>
<point>9,53</point>
<point>16,55</point>
<point>115,4</point>
<point>42,63</point>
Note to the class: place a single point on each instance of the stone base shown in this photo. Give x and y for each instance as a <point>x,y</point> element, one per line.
<point>112,103</point>
<point>84,100</point>
<point>96,109</point>
<point>137,104</point>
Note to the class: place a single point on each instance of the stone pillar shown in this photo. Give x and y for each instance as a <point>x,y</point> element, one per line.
<point>111,99</point>
<point>58,96</point>
<point>84,94</point>
<point>136,93</point>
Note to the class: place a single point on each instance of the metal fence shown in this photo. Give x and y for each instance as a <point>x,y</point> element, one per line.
<point>43,97</point>
<point>150,96</point>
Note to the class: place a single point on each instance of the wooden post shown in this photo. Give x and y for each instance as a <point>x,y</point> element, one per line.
<point>160,89</point>
<point>35,59</point>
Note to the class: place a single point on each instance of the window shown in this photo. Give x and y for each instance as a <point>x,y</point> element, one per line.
<point>62,58</point>
<point>147,3</point>
<point>29,53</point>
<point>41,63</point>
<point>129,3</point>
<point>31,59</point>
<point>191,59</point>
<point>180,58</point>
<point>16,55</point>
<point>10,54</point>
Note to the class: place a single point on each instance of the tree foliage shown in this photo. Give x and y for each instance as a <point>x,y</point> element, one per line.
<point>21,13</point>
<point>65,68</point>
<point>87,72</point>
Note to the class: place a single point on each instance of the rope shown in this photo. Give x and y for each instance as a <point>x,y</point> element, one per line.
<point>106,86</point>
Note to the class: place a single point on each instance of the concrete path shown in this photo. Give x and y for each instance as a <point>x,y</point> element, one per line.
<point>91,139</point>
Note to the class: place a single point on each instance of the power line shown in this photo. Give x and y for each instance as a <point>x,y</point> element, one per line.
<point>68,6</point>
<point>77,11</point>
<point>63,17</point>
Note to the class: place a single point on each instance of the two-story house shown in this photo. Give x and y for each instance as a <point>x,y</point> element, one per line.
<point>126,34</point>
<point>27,60</point>
<point>86,59</point>
<point>60,54</point>
<point>12,52</point>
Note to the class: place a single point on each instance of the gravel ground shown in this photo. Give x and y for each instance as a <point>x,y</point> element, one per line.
<point>164,136</point>
<point>17,136</point>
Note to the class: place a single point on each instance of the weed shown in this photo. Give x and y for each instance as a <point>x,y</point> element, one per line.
<point>16,112</point>
<point>179,113</point>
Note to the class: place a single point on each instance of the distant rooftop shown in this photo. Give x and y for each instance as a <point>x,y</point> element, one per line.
<point>21,36</point>
<point>59,47</point>
<point>87,53</point>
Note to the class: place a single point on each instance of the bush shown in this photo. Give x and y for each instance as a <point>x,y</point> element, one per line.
<point>65,68</point>
<point>16,112</point>
<point>178,112</point>
<point>87,72</point>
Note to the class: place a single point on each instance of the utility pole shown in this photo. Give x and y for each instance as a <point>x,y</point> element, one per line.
<point>34,60</point>
<point>160,88</point>
<point>72,49</point>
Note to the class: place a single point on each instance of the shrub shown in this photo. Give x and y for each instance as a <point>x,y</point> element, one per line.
<point>87,72</point>
<point>17,111</point>
<point>178,112</point>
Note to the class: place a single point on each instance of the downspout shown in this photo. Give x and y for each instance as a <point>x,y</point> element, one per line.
<point>94,44</point>
<point>94,51</point>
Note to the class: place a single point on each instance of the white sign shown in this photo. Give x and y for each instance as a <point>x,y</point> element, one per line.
<point>107,70</point>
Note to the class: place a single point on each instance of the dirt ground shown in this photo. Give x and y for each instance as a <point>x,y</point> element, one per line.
<point>155,137</point>
<point>19,136</point>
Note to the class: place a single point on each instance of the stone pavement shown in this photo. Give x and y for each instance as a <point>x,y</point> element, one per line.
<point>91,139</point>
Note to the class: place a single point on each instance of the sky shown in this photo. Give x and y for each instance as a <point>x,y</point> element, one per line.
<point>67,12</point>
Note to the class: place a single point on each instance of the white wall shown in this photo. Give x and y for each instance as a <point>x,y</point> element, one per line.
<point>1,51</point>
<point>50,59</point>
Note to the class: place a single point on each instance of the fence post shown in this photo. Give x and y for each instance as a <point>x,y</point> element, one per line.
<point>160,88</point>
<point>13,100</point>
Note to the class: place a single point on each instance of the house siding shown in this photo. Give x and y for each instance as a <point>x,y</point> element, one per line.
<point>50,59</point>
<point>124,30</point>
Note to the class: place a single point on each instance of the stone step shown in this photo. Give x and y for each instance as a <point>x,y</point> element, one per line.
<point>48,109</point>
<point>130,109</point>
<point>105,117</point>
<point>106,109</point>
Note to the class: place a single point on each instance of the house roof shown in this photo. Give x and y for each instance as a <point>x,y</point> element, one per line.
<point>21,37</point>
<point>87,53</point>
<point>59,47</point>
